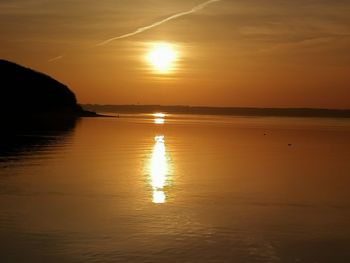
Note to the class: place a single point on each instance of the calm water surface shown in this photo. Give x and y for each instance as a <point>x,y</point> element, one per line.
<point>144,188</point>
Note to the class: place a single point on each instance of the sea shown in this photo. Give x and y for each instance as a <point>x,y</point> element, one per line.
<point>160,187</point>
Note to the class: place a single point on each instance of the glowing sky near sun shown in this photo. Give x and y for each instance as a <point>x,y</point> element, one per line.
<point>230,53</point>
<point>162,57</point>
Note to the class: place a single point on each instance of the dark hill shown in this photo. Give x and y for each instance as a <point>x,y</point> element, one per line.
<point>25,92</point>
<point>30,100</point>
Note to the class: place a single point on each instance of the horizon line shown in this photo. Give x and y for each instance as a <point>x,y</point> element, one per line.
<point>218,107</point>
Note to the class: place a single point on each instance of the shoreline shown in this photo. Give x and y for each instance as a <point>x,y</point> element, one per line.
<point>224,111</point>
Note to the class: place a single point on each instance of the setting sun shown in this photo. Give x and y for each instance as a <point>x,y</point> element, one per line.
<point>162,57</point>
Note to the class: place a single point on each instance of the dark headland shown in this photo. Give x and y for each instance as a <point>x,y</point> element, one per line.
<point>233,111</point>
<point>31,98</point>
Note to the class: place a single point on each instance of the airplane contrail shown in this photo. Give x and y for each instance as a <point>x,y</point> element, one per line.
<point>56,58</point>
<point>142,29</point>
<point>145,28</point>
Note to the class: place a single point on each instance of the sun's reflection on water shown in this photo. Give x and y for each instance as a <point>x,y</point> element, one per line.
<point>159,118</point>
<point>159,121</point>
<point>159,115</point>
<point>159,170</point>
<point>159,197</point>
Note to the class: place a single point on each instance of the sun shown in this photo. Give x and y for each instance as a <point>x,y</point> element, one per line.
<point>162,57</point>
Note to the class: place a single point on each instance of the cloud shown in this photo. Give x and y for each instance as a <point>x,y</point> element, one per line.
<point>158,23</point>
<point>56,58</point>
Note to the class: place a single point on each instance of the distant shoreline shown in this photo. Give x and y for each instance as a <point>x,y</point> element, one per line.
<point>230,111</point>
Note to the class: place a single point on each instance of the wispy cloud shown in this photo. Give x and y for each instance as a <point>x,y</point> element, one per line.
<point>158,23</point>
<point>56,58</point>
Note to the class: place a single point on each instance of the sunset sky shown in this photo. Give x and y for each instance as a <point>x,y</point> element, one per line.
<point>228,53</point>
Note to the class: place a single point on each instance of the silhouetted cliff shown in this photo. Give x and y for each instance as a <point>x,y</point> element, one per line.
<point>28,94</point>
<point>26,91</point>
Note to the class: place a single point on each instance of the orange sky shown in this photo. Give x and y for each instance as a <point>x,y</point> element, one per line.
<point>231,53</point>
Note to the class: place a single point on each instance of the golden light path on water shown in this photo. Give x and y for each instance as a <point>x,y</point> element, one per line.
<point>159,118</point>
<point>158,166</point>
<point>159,170</point>
<point>159,121</point>
<point>159,115</point>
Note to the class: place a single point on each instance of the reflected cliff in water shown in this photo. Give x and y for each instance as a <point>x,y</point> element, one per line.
<point>17,141</point>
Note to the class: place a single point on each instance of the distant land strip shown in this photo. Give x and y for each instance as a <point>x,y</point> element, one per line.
<point>233,111</point>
